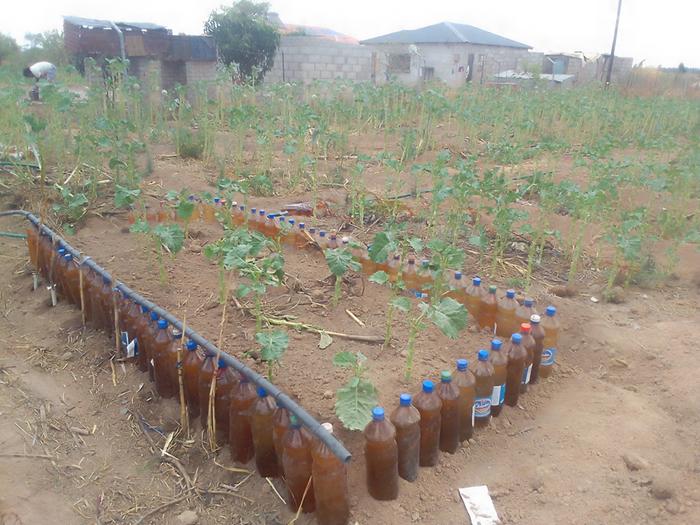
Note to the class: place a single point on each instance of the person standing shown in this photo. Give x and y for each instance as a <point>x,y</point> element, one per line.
<point>39,71</point>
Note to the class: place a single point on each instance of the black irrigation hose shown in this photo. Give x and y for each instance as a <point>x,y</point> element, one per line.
<point>282,399</point>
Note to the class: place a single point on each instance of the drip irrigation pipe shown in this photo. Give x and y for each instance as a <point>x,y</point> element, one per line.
<point>282,399</point>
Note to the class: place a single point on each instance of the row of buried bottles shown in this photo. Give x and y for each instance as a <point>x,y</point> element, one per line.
<point>438,419</point>
<point>245,418</point>
<point>501,315</point>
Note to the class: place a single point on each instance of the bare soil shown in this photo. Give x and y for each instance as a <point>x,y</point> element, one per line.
<point>610,438</point>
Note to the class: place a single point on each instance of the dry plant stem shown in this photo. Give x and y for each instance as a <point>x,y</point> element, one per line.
<point>301,503</point>
<point>310,328</point>
<point>82,292</point>
<point>184,419</point>
<point>117,335</point>
<point>211,423</point>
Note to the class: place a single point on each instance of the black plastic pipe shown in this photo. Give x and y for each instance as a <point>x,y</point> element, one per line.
<point>282,399</point>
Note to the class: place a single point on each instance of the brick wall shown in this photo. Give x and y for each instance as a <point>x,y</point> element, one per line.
<point>305,59</point>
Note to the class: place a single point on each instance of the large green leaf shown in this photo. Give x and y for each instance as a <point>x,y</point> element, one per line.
<point>382,245</point>
<point>340,261</point>
<point>354,403</point>
<point>140,226</point>
<point>124,197</point>
<point>448,315</point>
<point>170,236</point>
<point>401,303</point>
<point>379,277</point>
<point>273,344</point>
<point>185,208</point>
<point>345,359</point>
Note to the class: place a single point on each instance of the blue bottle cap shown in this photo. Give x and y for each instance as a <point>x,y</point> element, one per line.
<point>294,421</point>
<point>262,213</point>
<point>253,211</point>
<point>291,222</point>
<point>496,344</point>
<point>312,230</point>
<point>476,281</point>
<point>458,276</point>
<point>271,216</point>
<point>177,334</point>
<point>419,295</point>
<point>378,414</point>
<point>144,309</point>
<point>424,262</point>
<point>154,316</point>
<point>321,233</point>
<point>445,376</point>
<point>222,363</point>
<point>262,392</point>
<point>61,251</point>
<point>551,310</point>
<point>242,207</point>
<point>428,386</point>
<point>516,338</point>
<point>528,302</point>
<point>191,345</point>
<point>483,355</point>
<point>217,200</point>
<point>190,198</point>
<point>162,324</point>
<point>405,400</point>
<point>282,220</point>
<point>462,364</point>
<point>68,257</point>
<point>510,294</point>
<point>302,226</point>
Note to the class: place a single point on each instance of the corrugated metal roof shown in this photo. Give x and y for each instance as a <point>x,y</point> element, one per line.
<point>446,33</point>
<point>519,75</point>
<point>105,24</point>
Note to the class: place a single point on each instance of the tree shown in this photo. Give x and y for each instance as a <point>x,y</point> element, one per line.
<point>681,68</point>
<point>46,46</point>
<point>245,37</point>
<point>8,47</point>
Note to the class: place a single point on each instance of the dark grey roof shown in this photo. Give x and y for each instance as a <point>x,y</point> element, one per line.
<point>445,33</point>
<point>105,24</point>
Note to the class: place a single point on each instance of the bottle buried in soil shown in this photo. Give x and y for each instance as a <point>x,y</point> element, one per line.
<point>149,341</point>
<point>528,343</point>
<point>537,333</point>
<point>517,355</point>
<point>499,361</point>
<point>161,345</point>
<point>474,293</point>
<point>506,323</point>
<point>550,324</point>
<point>525,311</point>
<point>449,413</point>
<point>381,457</point>
<point>240,436</point>
<point>330,484</point>
<point>465,382</point>
<point>226,380</point>
<point>204,387</point>
<point>429,405</point>
<point>488,309</point>
<point>71,279</point>
<point>170,362</point>
<point>105,305</point>
<point>406,420</point>
<point>280,424</point>
<point>191,366</point>
<point>457,289</point>
<point>261,426</point>
<point>483,374</point>
<point>296,464</point>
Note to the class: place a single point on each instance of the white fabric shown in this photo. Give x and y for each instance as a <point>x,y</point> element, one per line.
<point>43,70</point>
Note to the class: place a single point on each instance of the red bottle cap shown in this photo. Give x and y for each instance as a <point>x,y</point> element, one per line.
<point>525,328</point>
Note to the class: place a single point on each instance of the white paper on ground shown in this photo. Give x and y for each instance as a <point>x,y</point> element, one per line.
<point>479,505</point>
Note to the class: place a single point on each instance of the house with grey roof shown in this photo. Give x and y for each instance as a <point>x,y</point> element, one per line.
<point>450,52</point>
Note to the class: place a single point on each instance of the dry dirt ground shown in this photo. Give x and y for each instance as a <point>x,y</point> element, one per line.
<point>611,438</point>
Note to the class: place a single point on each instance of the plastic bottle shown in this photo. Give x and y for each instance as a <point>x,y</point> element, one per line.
<point>161,344</point>
<point>226,380</point>
<point>270,227</point>
<point>425,276</point>
<point>394,267</point>
<point>381,457</point>
<point>191,365</point>
<point>140,328</point>
<point>488,309</point>
<point>550,323</point>
<point>71,280</point>
<point>473,294</point>
<point>149,342</point>
<point>253,219</point>
<point>450,415</point>
<point>206,372</point>
<point>506,323</point>
<point>132,316</point>
<point>296,464</point>
<point>171,363</point>
<point>209,212</point>
<point>525,311</point>
<point>406,420</point>
<point>33,246</point>
<point>322,240</point>
<point>537,333</point>
<point>464,380</point>
<point>262,225</point>
<point>333,241</point>
<point>483,374</point>
<point>429,406</point>
<point>410,276</point>
<point>516,364</point>
<point>301,238</point>
<point>457,289</point>
<point>499,360</point>
<point>261,427</point>
<point>280,424</point>
<point>240,436</point>
<point>528,343</point>
<point>330,484</point>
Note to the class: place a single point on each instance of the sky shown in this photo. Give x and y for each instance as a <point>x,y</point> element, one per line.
<point>660,32</point>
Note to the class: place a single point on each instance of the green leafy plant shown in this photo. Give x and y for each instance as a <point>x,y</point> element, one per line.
<point>168,237</point>
<point>340,261</point>
<point>125,197</point>
<point>273,344</point>
<point>354,400</point>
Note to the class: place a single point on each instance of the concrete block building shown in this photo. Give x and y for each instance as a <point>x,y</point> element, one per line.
<point>450,52</point>
<point>154,53</point>
<point>587,67</point>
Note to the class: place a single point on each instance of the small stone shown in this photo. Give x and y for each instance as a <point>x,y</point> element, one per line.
<point>189,517</point>
<point>67,356</point>
<point>537,484</point>
<point>630,388</point>
<point>615,296</point>
<point>328,394</point>
<point>673,507</point>
<point>662,488</point>
<point>195,248</point>
<point>403,353</point>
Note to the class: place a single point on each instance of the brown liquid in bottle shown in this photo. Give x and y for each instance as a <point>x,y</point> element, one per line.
<point>506,324</point>
<point>550,323</point>
<point>381,457</point>
<point>449,413</point>
<point>71,279</point>
<point>429,406</point>
<point>33,246</point>
<point>488,309</point>
<point>296,464</point>
<point>465,382</point>
<point>528,343</point>
<point>499,360</point>
<point>240,435</point>
<point>161,344</point>
<point>406,420</point>
<point>106,306</point>
<point>537,333</point>
<point>141,328</point>
<point>226,380</point>
<point>170,363</point>
<point>483,374</point>
<point>473,295</point>
<point>516,364</point>
<point>191,366</point>
<point>525,311</point>
<point>330,485</point>
<point>261,426</point>
<point>204,387</point>
<point>280,424</point>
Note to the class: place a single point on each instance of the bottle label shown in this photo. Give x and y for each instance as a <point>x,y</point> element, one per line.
<point>473,414</point>
<point>498,395</point>
<point>482,407</point>
<point>129,346</point>
<point>526,375</point>
<point>548,357</point>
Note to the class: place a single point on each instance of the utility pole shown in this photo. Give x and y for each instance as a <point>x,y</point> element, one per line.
<point>608,75</point>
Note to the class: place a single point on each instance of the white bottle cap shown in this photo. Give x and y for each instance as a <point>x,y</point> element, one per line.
<point>535,318</point>
<point>328,427</point>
